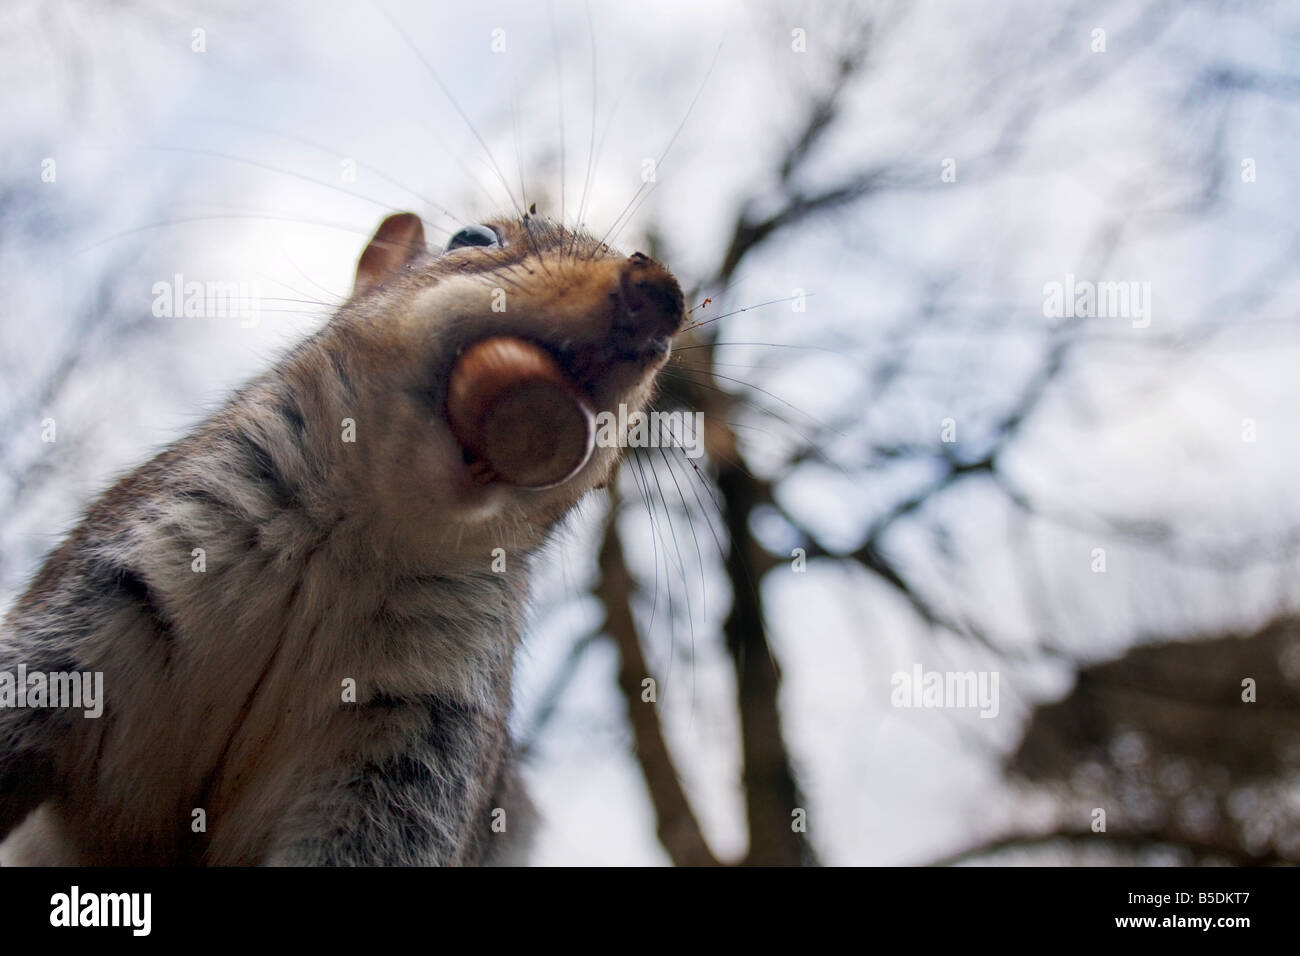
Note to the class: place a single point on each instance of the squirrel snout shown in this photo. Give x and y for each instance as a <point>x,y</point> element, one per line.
<point>652,307</point>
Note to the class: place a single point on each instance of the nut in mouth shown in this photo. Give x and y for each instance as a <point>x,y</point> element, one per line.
<point>519,417</point>
<point>524,412</point>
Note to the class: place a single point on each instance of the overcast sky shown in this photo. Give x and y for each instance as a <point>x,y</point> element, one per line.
<point>233,164</point>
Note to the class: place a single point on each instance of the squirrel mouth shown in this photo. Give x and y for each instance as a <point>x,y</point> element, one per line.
<point>523,413</point>
<point>521,417</point>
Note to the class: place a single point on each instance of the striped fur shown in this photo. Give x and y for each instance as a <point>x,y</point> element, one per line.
<point>326,561</point>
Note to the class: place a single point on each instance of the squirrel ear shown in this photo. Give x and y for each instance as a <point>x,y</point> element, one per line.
<point>398,240</point>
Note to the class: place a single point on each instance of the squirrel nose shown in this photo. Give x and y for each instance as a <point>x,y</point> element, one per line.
<point>652,307</point>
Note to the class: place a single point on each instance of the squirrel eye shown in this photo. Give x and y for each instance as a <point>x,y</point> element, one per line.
<point>472,236</point>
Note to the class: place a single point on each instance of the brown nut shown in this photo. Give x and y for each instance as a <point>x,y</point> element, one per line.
<point>513,409</point>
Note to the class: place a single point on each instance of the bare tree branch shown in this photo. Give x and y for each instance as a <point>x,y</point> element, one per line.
<point>678,830</point>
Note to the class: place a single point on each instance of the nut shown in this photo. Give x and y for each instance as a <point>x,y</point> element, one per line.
<point>518,415</point>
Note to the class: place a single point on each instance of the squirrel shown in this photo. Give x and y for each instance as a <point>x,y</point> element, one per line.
<point>299,609</point>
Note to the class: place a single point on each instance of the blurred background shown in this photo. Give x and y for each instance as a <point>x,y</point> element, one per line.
<point>931,449</point>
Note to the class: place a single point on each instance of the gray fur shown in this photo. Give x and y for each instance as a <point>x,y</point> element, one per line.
<point>326,560</point>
